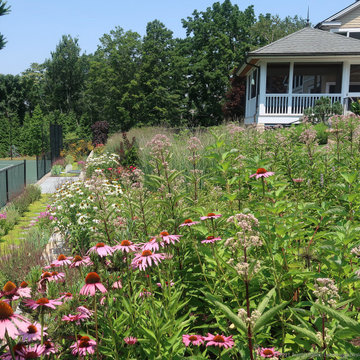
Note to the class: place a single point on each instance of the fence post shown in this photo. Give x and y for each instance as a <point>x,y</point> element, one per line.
<point>7,185</point>
<point>24,173</point>
<point>44,164</point>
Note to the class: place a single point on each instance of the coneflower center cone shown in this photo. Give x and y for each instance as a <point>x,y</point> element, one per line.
<point>188,221</point>
<point>42,301</point>
<point>146,253</point>
<point>54,273</point>
<point>210,237</point>
<point>6,311</point>
<point>9,286</point>
<point>24,284</point>
<point>164,233</point>
<point>45,275</point>
<point>261,171</point>
<point>219,339</point>
<point>61,257</point>
<point>210,214</point>
<point>92,278</point>
<point>99,245</point>
<point>193,338</point>
<point>125,243</point>
<point>84,341</point>
<point>32,329</point>
<point>77,258</point>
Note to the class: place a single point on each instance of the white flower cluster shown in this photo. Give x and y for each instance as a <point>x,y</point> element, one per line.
<point>320,337</point>
<point>104,160</point>
<point>255,315</point>
<point>248,269</point>
<point>326,291</point>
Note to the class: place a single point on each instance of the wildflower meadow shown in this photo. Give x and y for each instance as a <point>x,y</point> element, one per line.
<point>226,243</point>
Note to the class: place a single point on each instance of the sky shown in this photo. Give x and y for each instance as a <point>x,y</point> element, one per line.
<point>34,27</point>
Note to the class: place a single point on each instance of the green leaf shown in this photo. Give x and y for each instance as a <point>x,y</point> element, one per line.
<point>268,316</point>
<point>266,300</point>
<point>240,325</point>
<point>306,333</point>
<point>349,177</point>
<point>343,319</point>
<point>304,356</point>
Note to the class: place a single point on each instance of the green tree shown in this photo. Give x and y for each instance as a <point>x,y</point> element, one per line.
<point>151,97</point>
<point>4,10</point>
<point>65,76</point>
<point>35,133</point>
<point>111,70</point>
<point>218,39</point>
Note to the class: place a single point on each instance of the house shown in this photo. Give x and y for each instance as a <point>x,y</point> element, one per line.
<point>292,73</point>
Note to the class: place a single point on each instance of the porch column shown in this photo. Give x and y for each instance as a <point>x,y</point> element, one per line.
<point>262,90</point>
<point>291,77</point>
<point>345,83</point>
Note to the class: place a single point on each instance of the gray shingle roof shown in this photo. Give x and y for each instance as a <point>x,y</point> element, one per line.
<point>310,42</point>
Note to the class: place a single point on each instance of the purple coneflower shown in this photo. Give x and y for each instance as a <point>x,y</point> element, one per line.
<point>10,322</point>
<point>146,258</point>
<point>189,222</point>
<point>83,346</point>
<point>192,339</point>
<point>211,216</point>
<point>126,246</point>
<point>101,249</point>
<point>210,240</point>
<point>117,285</point>
<point>151,245</point>
<point>50,348</point>
<point>130,340</point>
<point>299,180</point>
<point>74,318</point>
<point>167,283</point>
<point>169,238</point>
<point>80,261</point>
<point>24,290</point>
<point>58,277</point>
<point>62,260</point>
<point>33,332</point>
<point>66,296</point>
<point>268,352</point>
<point>42,302</point>
<point>261,172</point>
<point>31,351</point>
<point>219,340</point>
<point>84,311</point>
<point>10,291</point>
<point>92,283</point>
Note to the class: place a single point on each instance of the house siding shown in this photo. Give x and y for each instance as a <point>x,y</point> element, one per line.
<point>351,20</point>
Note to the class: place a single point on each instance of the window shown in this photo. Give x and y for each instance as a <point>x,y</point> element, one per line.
<point>355,35</point>
<point>277,78</point>
<point>354,78</point>
<point>253,84</point>
<point>317,78</point>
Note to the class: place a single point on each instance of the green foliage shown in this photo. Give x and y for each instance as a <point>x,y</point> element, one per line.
<point>355,107</point>
<point>4,10</point>
<point>322,133</point>
<point>28,196</point>
<point>323,110</point>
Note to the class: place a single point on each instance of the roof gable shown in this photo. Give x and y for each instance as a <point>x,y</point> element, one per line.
<point>341,13</point>
<point>310,42</point>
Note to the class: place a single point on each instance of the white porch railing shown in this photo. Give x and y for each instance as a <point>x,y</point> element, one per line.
<point>294,103</point>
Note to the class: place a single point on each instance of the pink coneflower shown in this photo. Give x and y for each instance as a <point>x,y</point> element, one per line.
<point>189,222</point>
<point>117,285</point>
<point>10,291</point>
<point>31,351</point>
<point>219,340</point>
<point>151,245</point>
<point>210,240</point>
<point>92,282</point>
<point>84,311</point>
<point>211,216</point>
<point>33,332</point>
<point>58,277</point>
<point>169,238</point>
<point>80,261</point>
<point>192,339</point>
<point>101,249</point>
<point>10,322</point>
<point>145,293</point>
<point>130,340</point>
<point>49,348</point>
<point>51,266</point>
<point>126,246</point>
<point>62,260</point>
<point>74,318</point>
<point>66,296</point>
<point>83,346</point>
<point>146,258</point>
<point>268,352</point>
<point>261,172</point>
<point>24,290</point>
<point>42,302</point>
<point>299,180</point>
<point>167,283</point>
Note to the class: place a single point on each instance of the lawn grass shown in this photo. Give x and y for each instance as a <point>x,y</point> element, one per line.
<point>14,235</point>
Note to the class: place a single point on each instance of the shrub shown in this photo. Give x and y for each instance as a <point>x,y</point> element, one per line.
<point>100,132</point>
<point>323,110</point>
<point>126,149</point>
<point>322,133</point>
<point>30,194</point>
<point>56,170</point>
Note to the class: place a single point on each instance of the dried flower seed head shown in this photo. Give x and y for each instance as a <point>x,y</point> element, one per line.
<point>9,286</point>
<point>92,278</point>
<point>6,311</point>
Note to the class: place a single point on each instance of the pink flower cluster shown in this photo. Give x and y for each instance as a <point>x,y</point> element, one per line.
<point>211,340</point>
